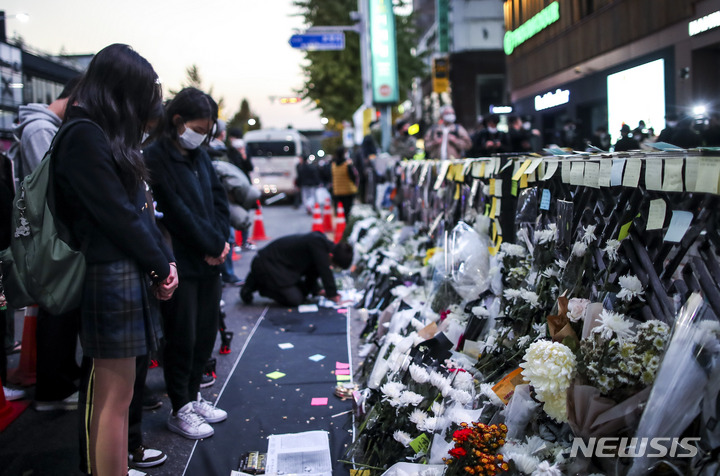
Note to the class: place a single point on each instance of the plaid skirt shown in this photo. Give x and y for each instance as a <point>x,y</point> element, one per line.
<point>120,316</point>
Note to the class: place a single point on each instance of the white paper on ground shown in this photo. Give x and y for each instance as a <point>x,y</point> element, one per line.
<point>306,453</point>
<point>307,308</point>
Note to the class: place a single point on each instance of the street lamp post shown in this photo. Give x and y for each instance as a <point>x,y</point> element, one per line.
<point>3,16</point>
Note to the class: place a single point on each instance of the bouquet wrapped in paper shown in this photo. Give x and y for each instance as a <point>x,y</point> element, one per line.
<point>676,398</point>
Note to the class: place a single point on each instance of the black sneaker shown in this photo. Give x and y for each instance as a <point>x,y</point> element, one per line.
<point>208,378</point>
<point>142,457</point>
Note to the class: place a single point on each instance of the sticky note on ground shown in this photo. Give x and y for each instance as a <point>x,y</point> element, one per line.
<point>275,375</point>
<point>317,401</point>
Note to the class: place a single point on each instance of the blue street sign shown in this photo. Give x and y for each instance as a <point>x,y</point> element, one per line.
<point>319,41</point>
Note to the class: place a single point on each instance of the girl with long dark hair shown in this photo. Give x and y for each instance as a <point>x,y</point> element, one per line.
<point>99,177</point>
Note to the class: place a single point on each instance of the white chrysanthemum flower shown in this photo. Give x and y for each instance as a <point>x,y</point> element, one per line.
<point>545,469</point>
<point>488,345</point>
<point>402,437</point>
<point>523,341</point>
<point>461,396</point>
<point>579,249</point>
<point>418,417</point>
<point>463,380</point>
<point>560,263</point>
<point>540,330</point>
<point>411,398</point>
<point>512,294</point>
<point>437,409</point>
<point>576,308</point>
<point>631,288</point>
<point>419,374</point>
<point>395,402</point>
<point>525,463</point>
<point>555,405</point>
<point>549,272</point>
<point>392,389</point>
<point>428,424</point>
<point>511,249</point>
<point>589,235</point>
<point>614,323</point>
<point>440,382</point>
<point>530,297</point>
<point>480,311</point>
<point>545,236</point>
<point>611,249</point>
<point>549,366</point>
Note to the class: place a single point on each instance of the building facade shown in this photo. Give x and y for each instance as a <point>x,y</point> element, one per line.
<point>466,36</point>
<point>605,63</point>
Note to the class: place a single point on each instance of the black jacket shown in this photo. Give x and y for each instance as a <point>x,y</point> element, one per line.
<point>291,259</point>
<point>193,203</point>
<point>110,223</point>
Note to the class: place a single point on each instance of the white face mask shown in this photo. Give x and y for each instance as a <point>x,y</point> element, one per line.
<point>449,118</point>
<point>492,130</point>
<point>237,143</point>
<point>190,139</point>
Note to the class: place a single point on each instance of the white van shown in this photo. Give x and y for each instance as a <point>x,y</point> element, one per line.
<point>275,154</point>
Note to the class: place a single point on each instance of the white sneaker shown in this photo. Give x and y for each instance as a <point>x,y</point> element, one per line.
<point>208,411</point>
<point>13,393</point>
<point>189,424</point>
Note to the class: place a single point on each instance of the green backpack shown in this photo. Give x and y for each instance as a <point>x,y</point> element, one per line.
<point>40,266</point>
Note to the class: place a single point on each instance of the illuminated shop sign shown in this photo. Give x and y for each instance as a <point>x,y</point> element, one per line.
<point>552,99</point>
<point>532,27</point>
<point>708,22</point>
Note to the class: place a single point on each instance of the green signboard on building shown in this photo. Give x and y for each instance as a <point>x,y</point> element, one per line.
<point>383,52</point>
<point>443,25</point>
<point>532,27</point>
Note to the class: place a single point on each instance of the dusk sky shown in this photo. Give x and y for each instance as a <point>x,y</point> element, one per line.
<point>240,46</point>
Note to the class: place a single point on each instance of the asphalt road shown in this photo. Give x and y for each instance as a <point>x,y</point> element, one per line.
<point>45,443</point>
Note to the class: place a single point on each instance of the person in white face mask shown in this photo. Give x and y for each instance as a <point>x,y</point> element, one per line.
<point>446,139</point>
<point>195,213</point>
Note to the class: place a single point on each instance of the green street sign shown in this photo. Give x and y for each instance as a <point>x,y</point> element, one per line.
<point>532,27</point>
<point>383,52</point>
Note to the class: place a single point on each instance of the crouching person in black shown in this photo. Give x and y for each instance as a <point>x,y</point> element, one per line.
<point>287,269</point>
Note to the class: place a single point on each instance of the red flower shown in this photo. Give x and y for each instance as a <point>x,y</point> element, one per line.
<point>444,314</point>
<point>457,452</point>
<point>462,435</point>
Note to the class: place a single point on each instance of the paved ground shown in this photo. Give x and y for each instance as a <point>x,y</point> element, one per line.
<point>52,436</point>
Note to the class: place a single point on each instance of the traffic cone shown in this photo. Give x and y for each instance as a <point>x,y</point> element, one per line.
<point>238,243</point>
<point>327,217</point>
<point>258,225</point>
<point>317,219</point>
<point>339,223</point>
<point>9,411</point>
<point>25,373</point>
